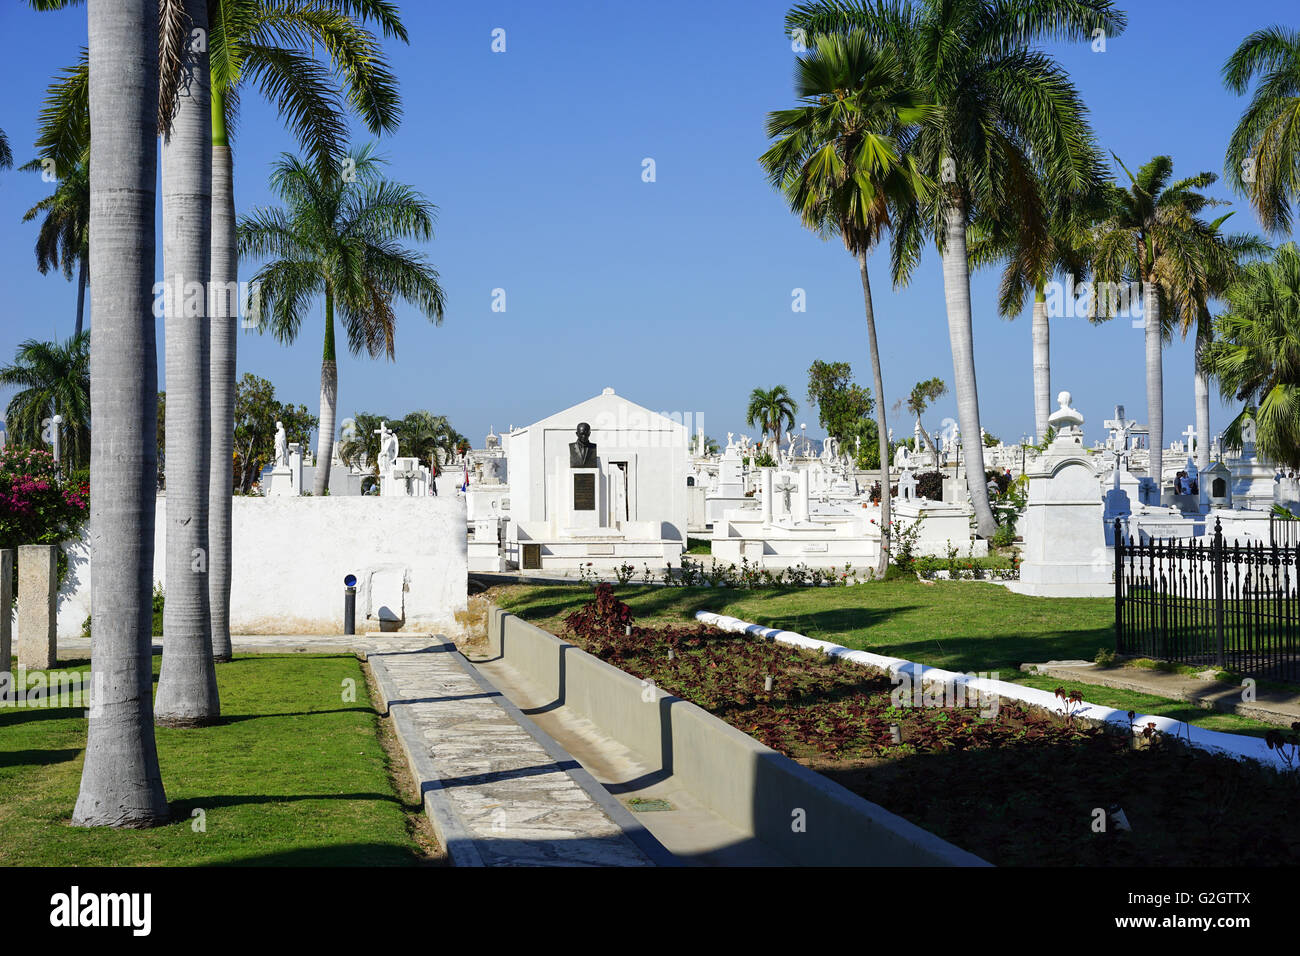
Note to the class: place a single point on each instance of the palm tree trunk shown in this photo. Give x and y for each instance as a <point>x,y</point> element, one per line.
<point>81,295</point>
<point>121,784</point>
<point>221,368</point>
<point>956,288</point>
<point>1155,383</point>
<point>187,680</point>
<point>329,392</point>
<point>1201,385</point>
<point>1042,364</point>
<point>882,426</point>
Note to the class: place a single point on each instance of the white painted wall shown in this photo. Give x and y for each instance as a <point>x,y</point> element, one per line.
<point>291,555</point>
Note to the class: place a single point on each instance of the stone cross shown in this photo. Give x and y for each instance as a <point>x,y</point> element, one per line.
<point>1119,427</point>
<point>1190,435</point>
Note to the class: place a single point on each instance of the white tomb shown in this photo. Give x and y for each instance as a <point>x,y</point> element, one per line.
<point>1065,553</point>
<point>628,505</point>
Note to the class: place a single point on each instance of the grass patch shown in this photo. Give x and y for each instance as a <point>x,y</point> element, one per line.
<point>961,626</point>
<point>293,775</point>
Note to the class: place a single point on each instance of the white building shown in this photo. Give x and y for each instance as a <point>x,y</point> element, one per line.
<point>631,507</point>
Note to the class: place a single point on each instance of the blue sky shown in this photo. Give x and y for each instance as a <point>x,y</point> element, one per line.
<point>675,292</point>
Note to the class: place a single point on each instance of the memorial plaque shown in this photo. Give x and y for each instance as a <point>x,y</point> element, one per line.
<point>532,557</point>
<point>584,492</point>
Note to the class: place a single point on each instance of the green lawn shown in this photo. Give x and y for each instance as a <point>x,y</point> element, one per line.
<point>293,775</point>
<point>958,625</point>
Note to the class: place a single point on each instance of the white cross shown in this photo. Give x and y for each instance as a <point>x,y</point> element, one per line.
<point>1190,435</point>
<point>1119,427</point>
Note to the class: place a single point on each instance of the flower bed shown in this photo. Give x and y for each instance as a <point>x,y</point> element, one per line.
<point>971,574</point>
<point>1015,786</point>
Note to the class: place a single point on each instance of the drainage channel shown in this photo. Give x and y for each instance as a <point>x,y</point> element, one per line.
<point>686,828</point>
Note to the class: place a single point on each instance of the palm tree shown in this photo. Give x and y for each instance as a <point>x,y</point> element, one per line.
<point>836,162</point>
<point>428,437</point>
<point>64,236</point>
<point>1151,234</point>
<point>54,377</point>
<point>771,409</point>
<point>359,445</point>
<point>1263,160</point>
<point>1047,237</point>
<point>187,680</point>
<point>337,239</point>
<point>6,154</point>
<point>918,400</point>
<point>998,110</point>
<point>121,784</point>
<point>1253,355</point>
<point>273,46</point>
<point>1232,252</point>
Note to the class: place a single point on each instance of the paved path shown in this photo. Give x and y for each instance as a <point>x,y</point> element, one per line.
<point>1269,706</point>
<point>498,791</point>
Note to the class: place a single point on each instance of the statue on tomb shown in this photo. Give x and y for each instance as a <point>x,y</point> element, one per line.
<point>582,453</point>
<point>387,448</point>
<point>1066,420</point>
<point>902,457</point>
<point>281,446</point>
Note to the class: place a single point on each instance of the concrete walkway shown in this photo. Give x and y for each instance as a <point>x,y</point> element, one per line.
<point>1270,706</point>
<point>498,791</point>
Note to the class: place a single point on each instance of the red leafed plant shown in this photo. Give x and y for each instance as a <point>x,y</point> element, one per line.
<point>604,615</point>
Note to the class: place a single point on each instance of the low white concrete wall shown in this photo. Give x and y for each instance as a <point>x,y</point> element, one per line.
<point>292,553</point>
<point>751,786</point>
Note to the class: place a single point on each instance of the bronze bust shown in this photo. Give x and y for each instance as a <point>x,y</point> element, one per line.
<point>582,453</point>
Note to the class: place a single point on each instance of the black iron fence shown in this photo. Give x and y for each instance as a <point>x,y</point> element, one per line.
<point>1231,606</point>
<point>1283,532</point>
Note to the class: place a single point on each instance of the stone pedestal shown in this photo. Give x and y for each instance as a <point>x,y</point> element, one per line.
<point>584,495</point>
<point>37,599</point>
<point>280,482</point>
<point>7,557</point>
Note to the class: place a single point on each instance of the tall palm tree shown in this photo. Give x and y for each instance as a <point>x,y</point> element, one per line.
<point>836,162</point>
<point>771,409</point>
<point>271,45</point>
<point>121,784</point>
<point>338,239</point>
<point>1046,237</point>
<point>1253,355</point>
<point>64,236</point>
<point>54,377</point>
<point>999,109</point>
<point>1263,159</point>
<point>1229,254</point>
<point>187,680</point>
<point>1151,233</point>
<point>6,154</point>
